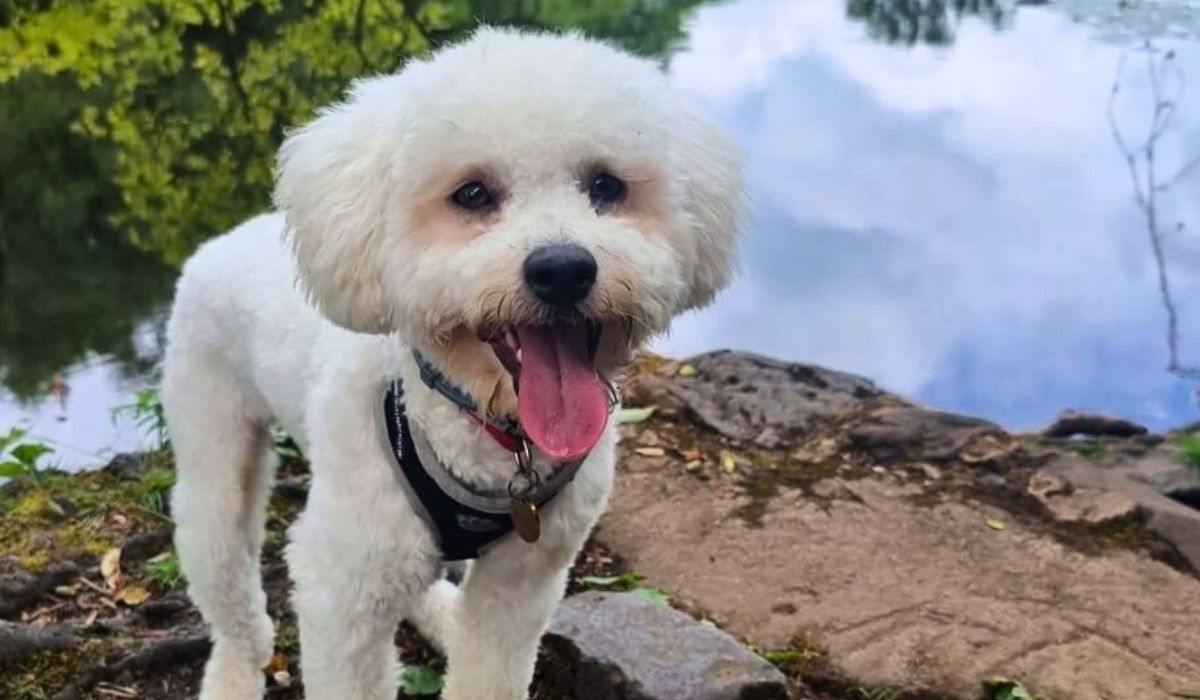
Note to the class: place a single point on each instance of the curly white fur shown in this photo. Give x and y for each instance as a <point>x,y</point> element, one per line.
<point>301,317</point>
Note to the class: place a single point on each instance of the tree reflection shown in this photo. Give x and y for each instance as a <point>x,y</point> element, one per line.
<point>912,22</point>
<point>131,130</point>
<point>1151,184</point>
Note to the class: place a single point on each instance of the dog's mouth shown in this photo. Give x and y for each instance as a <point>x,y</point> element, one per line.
<point>562,401</point>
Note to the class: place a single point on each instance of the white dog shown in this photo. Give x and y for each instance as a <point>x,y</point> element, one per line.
<point>480,241</point>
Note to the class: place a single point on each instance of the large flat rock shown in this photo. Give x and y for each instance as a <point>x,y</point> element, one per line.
<point>619,646</point>
<point>907,588</point>
<point>755,398</point>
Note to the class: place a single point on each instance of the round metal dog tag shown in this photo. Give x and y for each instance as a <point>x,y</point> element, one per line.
<point>525,519</point>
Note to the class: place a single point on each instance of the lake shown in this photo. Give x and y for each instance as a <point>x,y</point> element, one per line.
<point>939,202</point>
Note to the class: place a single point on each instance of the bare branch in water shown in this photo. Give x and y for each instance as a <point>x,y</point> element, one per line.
<point>1166,84</point>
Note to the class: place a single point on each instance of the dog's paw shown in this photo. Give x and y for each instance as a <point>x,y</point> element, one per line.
<point>231,674</point>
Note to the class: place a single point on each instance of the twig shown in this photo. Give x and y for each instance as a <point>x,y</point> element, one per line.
<point>1161,67</point>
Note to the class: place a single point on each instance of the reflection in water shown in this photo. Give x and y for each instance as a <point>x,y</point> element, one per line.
<point>69,284</point>
<point>1150,186</point>
<point>921,21</point>
<point>952,221</point>
<point>131,130</point>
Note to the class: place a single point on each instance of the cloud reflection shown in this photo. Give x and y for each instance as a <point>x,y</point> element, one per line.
<point>954,222</point>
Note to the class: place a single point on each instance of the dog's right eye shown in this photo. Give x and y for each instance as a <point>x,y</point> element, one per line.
<point>472,196</point>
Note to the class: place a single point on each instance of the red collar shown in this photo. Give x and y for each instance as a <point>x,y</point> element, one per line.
<point>510,441</point>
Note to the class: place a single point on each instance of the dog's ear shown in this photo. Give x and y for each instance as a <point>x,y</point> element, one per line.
<point>331,183</point>
<point>710,165</point>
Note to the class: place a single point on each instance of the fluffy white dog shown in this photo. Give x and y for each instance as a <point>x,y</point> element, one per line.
<point>480,242</point>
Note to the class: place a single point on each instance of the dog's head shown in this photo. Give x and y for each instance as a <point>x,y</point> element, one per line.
<point>525,209</point>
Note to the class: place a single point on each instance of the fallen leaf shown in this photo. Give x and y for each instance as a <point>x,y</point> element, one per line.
<point>996,524</point>
<point>275,664</point>
<point>110,568</point>
<point>160,558</point>
<point>691,455</point>
<point>651,451</point>
<point>282,678</point>
<point>634,415</point>
<point>133,595</point>
<point>66,591</point>
<point>694,466</point>
<point>687,370</point>
<point>728,462</point>
<point>652,594</point>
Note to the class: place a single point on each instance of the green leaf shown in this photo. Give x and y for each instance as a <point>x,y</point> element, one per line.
<point>634,415</point>
<point>1005,689</point>
<point>288,452</point>
<point>652,594</point>
<point>14,436</point>
<point>421,680</point>
<point>29,453</point>
<point>12,470</point>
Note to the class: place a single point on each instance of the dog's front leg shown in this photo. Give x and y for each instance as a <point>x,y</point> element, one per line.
<point>360,561</point>
<point>509,595</point>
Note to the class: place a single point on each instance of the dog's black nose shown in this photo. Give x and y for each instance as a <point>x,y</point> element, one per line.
<point>561,275</point>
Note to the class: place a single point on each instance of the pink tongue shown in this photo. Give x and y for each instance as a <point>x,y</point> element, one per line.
<point>562,403</point>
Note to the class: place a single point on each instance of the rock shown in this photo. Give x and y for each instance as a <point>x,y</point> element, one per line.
<point>753,398</point>
<point>1172,521</point>
<point>914,433</point>
<point>20,641</point>
<point>618,646</point>
<point>1091,506</point>
<point>1071,423</point>
<point>651,390</point>
<point>931,472</point>
<point>1084,504</point>
<point>19,589</point>
<point>145,545</point>
<point>1162,471</point>
<point>128,466</point>
<point>1043,486</point>
<point>907,591</point>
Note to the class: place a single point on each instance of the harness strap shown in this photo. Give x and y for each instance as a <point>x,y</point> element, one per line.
<point>463,531</point>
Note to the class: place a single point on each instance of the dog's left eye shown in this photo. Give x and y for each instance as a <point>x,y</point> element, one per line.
<point>473,196</point>
<point>606,189</point>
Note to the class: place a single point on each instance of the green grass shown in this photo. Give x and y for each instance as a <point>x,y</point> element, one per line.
<point>166,573</point>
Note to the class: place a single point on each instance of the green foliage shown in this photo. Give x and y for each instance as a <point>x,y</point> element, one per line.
<point>193,96</point>
<point>627,582</point>
<point>421,680</point>
<point>132,130</point>
<point>19,457</point>
<point>155,485</point>
<point>146,411</point>
<point>620,582</point>
<point>1006,689</point>
<point>166,571</point>
<point>654,595</point>
<point>1189,450</point>
<point>284,445</point>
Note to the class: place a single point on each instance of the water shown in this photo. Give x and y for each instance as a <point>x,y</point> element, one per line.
<point>939,204</point>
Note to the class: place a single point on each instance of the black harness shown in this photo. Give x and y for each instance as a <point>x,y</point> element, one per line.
<point>463,531</point>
